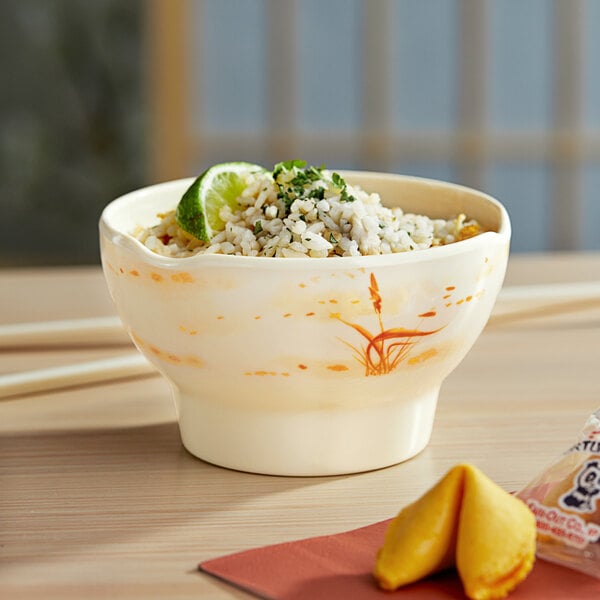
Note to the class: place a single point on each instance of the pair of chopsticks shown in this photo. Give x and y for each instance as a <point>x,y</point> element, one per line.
<point>514,304</point>
<point>93,332</point>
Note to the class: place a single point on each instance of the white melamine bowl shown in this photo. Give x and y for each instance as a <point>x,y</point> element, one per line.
<point>291,366</point>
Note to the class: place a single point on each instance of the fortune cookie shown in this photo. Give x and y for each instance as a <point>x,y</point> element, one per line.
<point>467,521</point>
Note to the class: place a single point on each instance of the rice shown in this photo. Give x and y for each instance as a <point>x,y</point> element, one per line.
<point>295,212</point>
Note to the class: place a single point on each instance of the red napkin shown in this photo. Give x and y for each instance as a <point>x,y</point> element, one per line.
<point>333,567</point>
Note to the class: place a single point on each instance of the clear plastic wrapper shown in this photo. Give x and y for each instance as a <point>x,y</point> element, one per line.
<point>565,500</point>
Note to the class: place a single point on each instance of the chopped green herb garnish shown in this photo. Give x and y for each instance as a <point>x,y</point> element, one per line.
<point>300,187</point>
<point>288,201</point>
<point>287,165</point>
<point>332,239</point>
<point>345,197</point>
<point>257,227</point>
<point>300,180</point>
<point>338,181</point>
<point>314,173</point>
<point>317,193</point>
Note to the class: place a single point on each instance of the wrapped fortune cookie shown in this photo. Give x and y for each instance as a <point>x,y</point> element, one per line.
<point>565,499</point>
<point>467,521</point>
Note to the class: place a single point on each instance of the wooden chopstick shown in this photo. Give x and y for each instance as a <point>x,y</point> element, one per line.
<point>550,292</point>
<point>546,310</point>
<point>53,378</point>
<point>537,301</point>
<point>99,331</point>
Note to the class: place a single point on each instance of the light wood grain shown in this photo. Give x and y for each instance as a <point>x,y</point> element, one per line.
<point>98,499</point>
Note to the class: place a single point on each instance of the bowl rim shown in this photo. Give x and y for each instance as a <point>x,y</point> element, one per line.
<point>111,233</point>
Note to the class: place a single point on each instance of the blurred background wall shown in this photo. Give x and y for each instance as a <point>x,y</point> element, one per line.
<point>100,97</point>
<point>73,131</point>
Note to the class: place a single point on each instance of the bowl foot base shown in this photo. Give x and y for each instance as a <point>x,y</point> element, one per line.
<point>308,443</point>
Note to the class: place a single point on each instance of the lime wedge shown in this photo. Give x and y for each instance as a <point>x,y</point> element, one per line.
<point>219,186</point>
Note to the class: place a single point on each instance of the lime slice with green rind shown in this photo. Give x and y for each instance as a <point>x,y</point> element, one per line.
<point>221,185</point>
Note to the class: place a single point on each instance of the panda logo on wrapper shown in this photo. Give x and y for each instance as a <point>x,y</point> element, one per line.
<point>586,491</point>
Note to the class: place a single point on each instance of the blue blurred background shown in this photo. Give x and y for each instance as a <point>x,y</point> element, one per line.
<point>101,97</point>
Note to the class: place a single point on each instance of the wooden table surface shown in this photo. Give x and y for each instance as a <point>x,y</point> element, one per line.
<point>98,499</point>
